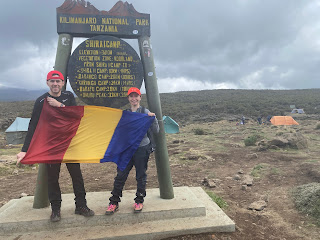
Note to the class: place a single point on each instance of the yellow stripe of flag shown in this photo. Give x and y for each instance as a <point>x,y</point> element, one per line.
<point>92,139</point>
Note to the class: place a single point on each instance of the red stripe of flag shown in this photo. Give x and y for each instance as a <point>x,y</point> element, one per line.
<point>61,126</point>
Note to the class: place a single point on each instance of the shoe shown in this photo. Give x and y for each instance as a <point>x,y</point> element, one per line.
<point>111,209</point>
<point>84,211</point>
<point>55,216</point>
<point>138,207</point>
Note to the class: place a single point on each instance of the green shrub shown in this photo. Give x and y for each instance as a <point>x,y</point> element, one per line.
<point>318,126</point>
<point>251,140</point>
<point>199,131</point>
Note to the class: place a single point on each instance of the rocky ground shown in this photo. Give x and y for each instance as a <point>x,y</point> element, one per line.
<point>214,156</point>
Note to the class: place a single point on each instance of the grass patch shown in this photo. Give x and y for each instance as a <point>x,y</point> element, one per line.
<point>258,170</point>
<point>218,200</point>
<point>312,161</point>
<point>10,151</point>
<point>307,200</point>
<point>275,171</point>
<point>5,171</point>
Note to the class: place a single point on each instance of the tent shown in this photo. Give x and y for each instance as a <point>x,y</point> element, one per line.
<point>283,120</point>
<point>170,126</point>
<point>16,133</point>
<point>300,111</point>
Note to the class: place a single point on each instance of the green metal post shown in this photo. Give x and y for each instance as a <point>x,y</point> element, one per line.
<point>63,54</point>
<point>153,98</point>
<point>61,64</point>
<point>41,194</point>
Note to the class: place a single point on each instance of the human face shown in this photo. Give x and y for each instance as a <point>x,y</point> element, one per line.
<point>55,86</point>
<point>134,99</point>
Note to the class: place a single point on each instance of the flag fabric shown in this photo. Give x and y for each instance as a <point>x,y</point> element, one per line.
<point>86,134</point>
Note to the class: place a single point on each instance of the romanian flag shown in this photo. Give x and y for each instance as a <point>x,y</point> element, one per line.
<point>86,134</point>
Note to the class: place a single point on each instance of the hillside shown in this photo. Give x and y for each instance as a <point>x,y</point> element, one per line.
<point>210,151</point>
<point>213,105</point>
<point>208,105</point>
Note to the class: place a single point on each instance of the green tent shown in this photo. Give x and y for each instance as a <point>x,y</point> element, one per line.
<point>170,126</point>
<point>16,133</point>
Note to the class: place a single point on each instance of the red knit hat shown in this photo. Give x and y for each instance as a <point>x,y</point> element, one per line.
<point>51,73</point>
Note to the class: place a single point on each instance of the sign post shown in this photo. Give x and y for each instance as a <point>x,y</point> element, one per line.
<point>153,98</point>
<point>63,54</point>
<point>104,67</point>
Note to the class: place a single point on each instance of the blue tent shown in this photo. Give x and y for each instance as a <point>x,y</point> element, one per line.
<point>16,133</point>
<point>300,111</point>
<point>170,126</point>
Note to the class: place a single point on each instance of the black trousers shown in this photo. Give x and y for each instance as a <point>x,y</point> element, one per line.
<point>140,161</point>
<point>54,192</point>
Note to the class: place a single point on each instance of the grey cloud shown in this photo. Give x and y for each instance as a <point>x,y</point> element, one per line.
<point>273,43</point>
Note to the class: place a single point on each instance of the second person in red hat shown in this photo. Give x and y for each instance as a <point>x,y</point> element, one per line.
<point>139,160</point>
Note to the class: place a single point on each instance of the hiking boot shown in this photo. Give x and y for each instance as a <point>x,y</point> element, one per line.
<point>55,216</point>
<point>138,207</point>
<point>111,209</point>
<point>84,211</point>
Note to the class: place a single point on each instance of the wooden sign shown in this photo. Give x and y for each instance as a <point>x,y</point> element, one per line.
<point>102,69</point>
<point>82,19</point>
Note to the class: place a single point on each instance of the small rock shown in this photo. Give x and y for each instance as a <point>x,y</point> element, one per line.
<point>274,147</point>
<point>244,187</point>
<point>280,142</point>
<point>211,184</point>
<point>208,183</point>
<point>252,156</point>
<point>24,195</point>
<point>193,157</point>
<point>236,177</point>
<point>247,180</point>
<point>265,198</point>
<point>205,182</point>
<point>262,148</point>
<point>258,205</point>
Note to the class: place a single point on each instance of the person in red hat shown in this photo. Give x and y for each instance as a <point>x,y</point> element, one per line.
<point>57,98</point>
<point>139,160</point>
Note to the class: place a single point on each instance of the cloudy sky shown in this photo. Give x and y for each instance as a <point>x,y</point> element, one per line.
<point>203,44</point>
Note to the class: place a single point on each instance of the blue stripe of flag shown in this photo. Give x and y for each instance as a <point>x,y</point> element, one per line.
<point>127,138</point>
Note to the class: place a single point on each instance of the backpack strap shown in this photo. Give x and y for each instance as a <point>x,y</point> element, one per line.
<point>149,134</point>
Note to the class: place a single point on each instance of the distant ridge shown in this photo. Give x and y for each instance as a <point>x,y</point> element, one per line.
<point>18,94</point>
